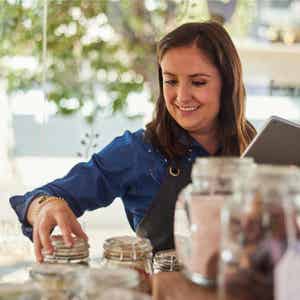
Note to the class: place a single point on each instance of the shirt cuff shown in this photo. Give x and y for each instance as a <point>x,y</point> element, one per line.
<point>20,204</point>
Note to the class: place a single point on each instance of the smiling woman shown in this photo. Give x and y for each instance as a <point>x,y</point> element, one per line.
<point>201,90</point>
<point>199,113</point>
<point>192,87</point>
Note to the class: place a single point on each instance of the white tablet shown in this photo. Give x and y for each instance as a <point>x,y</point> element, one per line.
<point>278,142</point>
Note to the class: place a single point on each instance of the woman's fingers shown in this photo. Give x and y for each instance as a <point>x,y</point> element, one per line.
<point>77,230</point>
<point>64,225</point>
<point>37,244</point>
<point>44,230</point>
<point>48,218</point>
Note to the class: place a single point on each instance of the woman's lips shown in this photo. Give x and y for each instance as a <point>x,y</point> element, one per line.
<point>187,108</point>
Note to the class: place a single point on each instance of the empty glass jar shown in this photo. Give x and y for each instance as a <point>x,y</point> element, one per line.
<point>197,214</point>
<point>258,224</point>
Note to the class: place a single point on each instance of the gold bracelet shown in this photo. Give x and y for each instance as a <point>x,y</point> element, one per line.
<point>42,201</point>
<point>45,199</point>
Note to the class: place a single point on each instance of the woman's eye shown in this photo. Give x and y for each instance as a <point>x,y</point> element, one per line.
<point>198,83</point>
<point>170,82</point>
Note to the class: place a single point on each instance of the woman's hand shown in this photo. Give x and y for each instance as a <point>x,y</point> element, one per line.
<point>45,217</point>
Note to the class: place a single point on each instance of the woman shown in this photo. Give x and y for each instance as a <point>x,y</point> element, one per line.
<point>199,112</point>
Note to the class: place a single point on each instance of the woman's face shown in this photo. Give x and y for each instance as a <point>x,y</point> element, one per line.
<point>192,88</point>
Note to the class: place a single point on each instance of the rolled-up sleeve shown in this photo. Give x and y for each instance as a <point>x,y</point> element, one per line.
<point>88,185</point>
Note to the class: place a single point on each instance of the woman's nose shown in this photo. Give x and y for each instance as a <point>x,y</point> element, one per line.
<point>183,94</point>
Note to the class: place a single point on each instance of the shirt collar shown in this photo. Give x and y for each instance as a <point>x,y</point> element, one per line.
<point>188,140</point>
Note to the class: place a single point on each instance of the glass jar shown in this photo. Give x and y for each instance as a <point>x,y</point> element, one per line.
<point>91,283</point>
<point>294,194</point>
<point>166,261</point>
<point>52,279</point>
<point>14,249</point>
<point>197,214</point>
<point>24,291</point>
<point>130,252</point>
<point>258,224</point>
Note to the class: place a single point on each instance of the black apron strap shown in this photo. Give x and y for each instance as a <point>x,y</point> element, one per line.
<point>157,224</point>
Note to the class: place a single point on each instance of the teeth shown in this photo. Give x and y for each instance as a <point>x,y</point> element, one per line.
<point>188,108</point>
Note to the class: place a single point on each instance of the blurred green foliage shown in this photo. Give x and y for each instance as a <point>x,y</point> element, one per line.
<point>91,45</point>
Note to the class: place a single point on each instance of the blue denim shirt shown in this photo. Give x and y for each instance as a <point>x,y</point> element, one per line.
<point>128,167</point>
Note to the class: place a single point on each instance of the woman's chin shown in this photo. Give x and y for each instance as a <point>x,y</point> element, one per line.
<point>190,127</point>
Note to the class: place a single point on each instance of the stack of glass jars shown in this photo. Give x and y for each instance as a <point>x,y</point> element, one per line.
<point>130,252</point>
<point>258,225</point>
<point>197,214</point>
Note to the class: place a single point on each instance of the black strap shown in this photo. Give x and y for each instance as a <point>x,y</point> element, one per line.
<point>157,224</point>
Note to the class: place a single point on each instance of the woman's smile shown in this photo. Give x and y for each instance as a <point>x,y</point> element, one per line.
<point>187,108</point>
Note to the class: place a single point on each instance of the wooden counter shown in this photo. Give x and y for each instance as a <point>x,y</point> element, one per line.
<point>174,286</point>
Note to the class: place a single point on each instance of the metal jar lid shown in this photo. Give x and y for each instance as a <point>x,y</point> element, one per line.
<point>78,253</point>
<point>127,248</point>
<point>166,261</point>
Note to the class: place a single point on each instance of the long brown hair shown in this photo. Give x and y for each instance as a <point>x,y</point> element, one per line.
<point>235,132</point>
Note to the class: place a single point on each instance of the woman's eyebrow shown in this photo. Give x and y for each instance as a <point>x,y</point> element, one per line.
<point>199,74</point>
<point>168,73</point>
<point>191,75</point>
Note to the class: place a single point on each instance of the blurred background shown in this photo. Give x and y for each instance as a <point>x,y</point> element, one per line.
<point>75,74</point>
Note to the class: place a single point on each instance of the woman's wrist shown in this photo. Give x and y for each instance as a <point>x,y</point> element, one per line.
<point>38,203</point>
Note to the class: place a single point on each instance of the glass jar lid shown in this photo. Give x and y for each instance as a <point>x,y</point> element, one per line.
<point>78,253</point>
<point>277,170</point>
<point>276,176</point>
<point>127,248</point>
<point>53,277</point>
<point>216,166</point>
<point>166,261</point>
<point>47,270</point>
<point>92,279</point>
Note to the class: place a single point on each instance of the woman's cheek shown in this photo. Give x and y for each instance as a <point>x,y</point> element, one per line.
<point>167,94</point>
